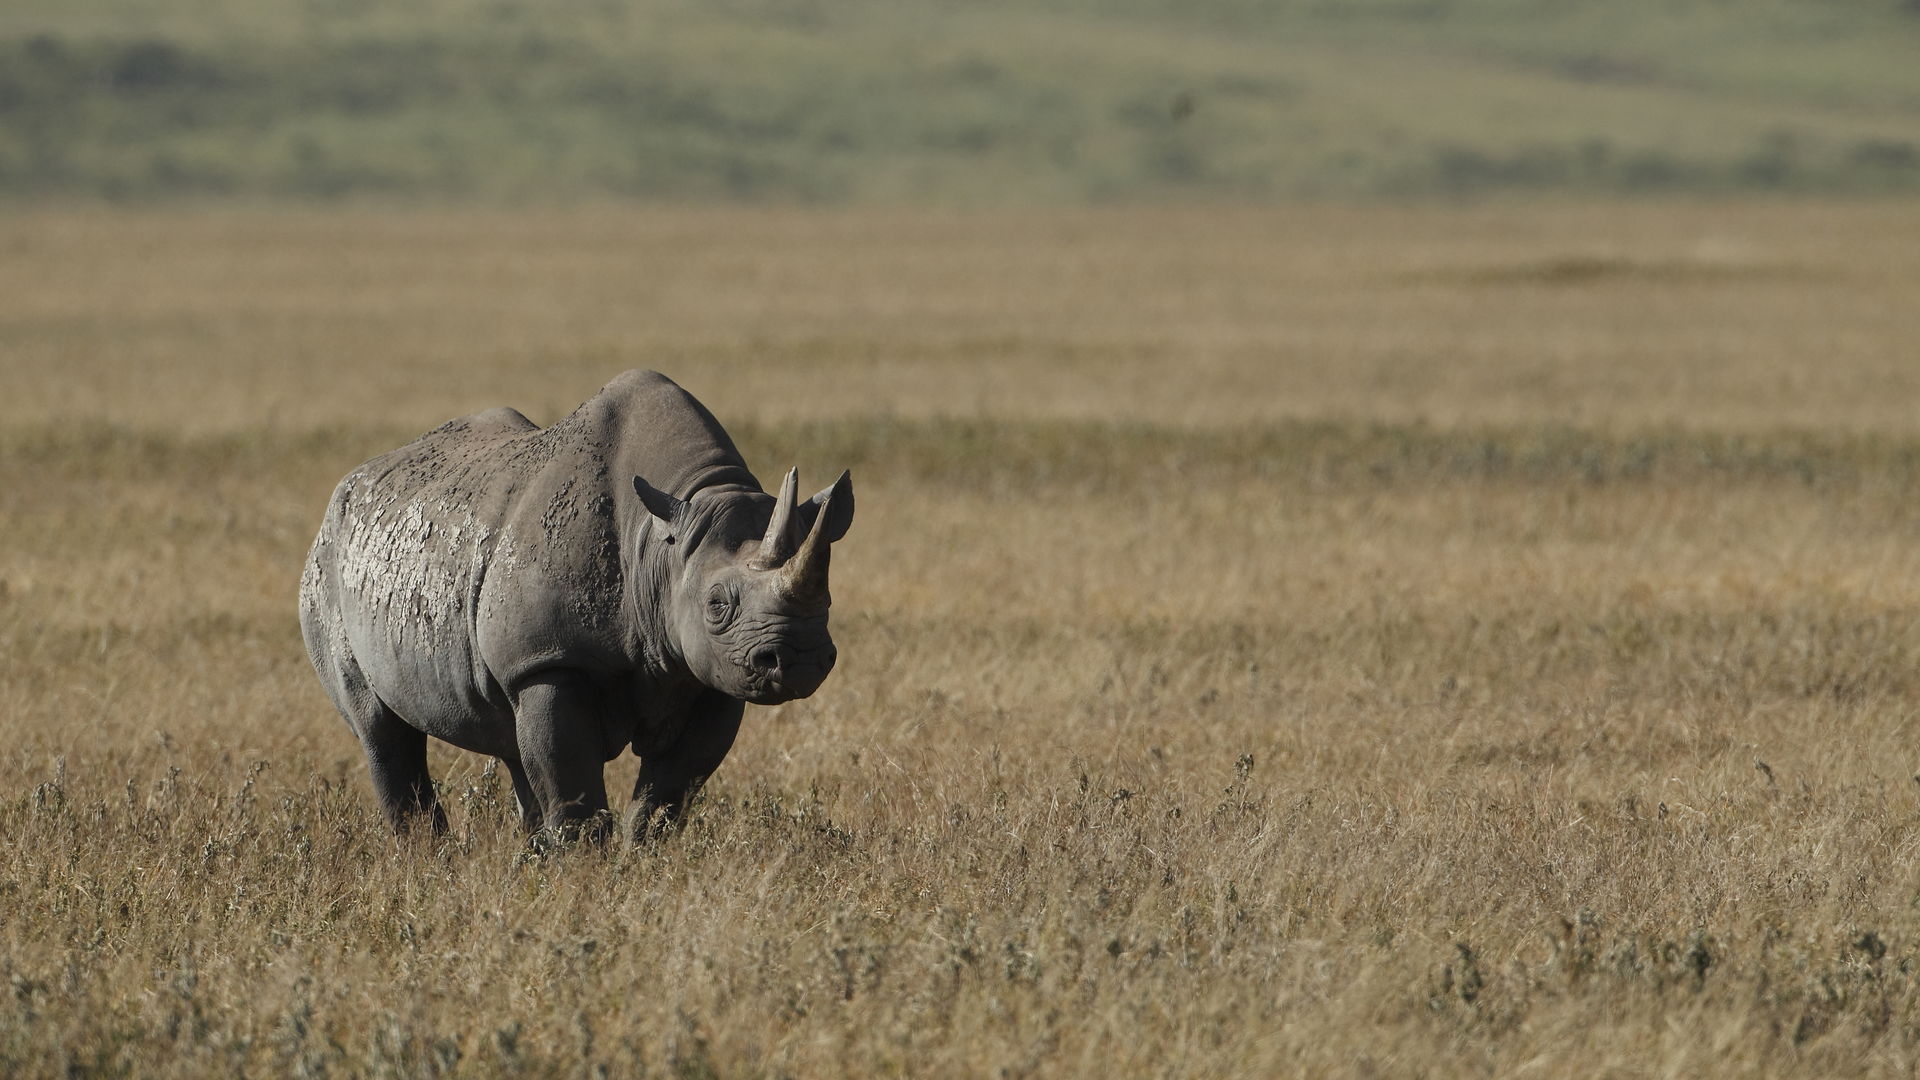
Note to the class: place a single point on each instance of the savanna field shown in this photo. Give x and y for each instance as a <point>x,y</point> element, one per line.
<point>1344,641</point>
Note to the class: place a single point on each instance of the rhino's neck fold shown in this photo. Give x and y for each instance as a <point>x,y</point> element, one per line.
<point>649,567</point>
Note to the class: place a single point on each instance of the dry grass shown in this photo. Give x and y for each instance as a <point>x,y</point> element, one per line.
<point>1323,642</point>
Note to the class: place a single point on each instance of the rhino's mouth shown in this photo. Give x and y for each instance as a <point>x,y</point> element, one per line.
<point>779,672</point>
<point>789,684</point>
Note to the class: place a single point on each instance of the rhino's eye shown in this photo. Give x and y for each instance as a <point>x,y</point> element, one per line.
<point>719,605</point>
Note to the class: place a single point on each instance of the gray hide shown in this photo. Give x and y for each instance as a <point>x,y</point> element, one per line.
<point>554,596</point>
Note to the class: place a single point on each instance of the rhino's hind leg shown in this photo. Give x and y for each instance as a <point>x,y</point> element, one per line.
<point>397,759</point>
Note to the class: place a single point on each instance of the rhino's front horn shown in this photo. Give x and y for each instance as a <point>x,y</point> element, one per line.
<point>805,576</point>
<point>780,541</point>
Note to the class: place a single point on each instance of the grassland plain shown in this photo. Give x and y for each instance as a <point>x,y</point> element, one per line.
<point>1275,642</point>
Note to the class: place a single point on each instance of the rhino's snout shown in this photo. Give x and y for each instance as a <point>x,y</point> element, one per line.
<point>774,659</point>
<point>789,673</point>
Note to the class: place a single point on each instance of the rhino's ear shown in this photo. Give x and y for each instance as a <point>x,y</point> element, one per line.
<point>838,499</point>
<point>658,503</point>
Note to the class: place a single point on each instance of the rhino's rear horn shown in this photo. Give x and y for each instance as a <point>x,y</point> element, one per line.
<point>782,537</point>
<point>805,575</point>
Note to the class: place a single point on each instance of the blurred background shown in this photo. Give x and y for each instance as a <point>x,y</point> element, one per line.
<point>914,101</point>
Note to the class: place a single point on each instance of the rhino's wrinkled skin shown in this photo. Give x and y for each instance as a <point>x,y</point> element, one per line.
<point>553,596</point>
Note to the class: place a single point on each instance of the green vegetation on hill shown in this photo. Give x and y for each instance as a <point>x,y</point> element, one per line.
<point>913,101</point>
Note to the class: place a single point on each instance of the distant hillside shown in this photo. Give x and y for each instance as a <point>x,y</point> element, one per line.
<point>986,102</point>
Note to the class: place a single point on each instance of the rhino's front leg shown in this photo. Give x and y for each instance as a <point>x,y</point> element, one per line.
<point>561,749</point>
<point>530,816</point>
<point>669,779</point>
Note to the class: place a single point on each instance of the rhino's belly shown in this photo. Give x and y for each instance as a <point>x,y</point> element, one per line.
<point>435,684</point>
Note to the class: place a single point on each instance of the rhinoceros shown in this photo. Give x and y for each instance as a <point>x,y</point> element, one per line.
<point>552,596</point>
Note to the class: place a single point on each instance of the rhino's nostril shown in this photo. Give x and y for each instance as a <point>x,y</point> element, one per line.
<point>767,658</point>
